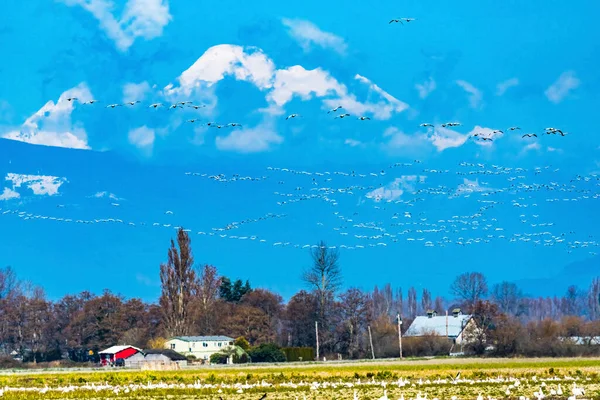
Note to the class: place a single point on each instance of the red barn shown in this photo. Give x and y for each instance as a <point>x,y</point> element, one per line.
<point>110,355</point>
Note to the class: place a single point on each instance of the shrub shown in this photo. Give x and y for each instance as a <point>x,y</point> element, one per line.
<point>267,352</point>
<point>299,353</point>
<point>219,358</point>
<point>242,342</point>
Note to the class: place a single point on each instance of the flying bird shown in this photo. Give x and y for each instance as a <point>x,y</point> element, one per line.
<point>132,103</point>
<point>90,102</point>
<point>450,124</point>
<point>183,103</point>
<point>396,20</point>
<point>263,397</point>
<point>155,105</point>
<point>363,118</point>
<point>71,98</point>
<point>292,116</point>
<point>197,107</point>
<point>514,128</point>
<point>174,106</point>
<point>113,105</point>
<point>426,124</point>
<point>334,109</point>
<point>529,135</point>
<point>343,115</point>
<point>192,120</point>
<point>234,124</point>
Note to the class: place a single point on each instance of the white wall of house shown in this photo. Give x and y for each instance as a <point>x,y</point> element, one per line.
<point>202,350</point>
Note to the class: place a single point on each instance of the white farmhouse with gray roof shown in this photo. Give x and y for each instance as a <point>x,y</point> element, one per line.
<point>451,326</point>
<point>201,347</point>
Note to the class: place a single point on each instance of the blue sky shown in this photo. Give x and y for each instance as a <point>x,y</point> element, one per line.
<point>487,65</point>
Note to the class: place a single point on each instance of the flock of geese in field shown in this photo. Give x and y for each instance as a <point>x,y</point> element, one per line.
<point>403,202</point>
<point>415,389</point>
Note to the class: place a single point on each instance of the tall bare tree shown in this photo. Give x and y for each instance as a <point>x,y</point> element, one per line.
<point>508,297</point>
<point>355,307</point>
<point>426,300</point>
<point>594,299</point>
<point>324,276</point>
<point>469,288</point>
<point>208,289</point>
<point>412,302</point>
<point>179,285</point>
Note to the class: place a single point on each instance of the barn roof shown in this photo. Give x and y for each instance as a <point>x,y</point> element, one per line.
<point>172,354</point>
<point>437,325</point>
<point>116,349</point>
<point>204,338</point>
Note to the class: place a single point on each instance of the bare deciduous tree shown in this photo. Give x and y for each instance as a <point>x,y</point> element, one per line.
<point>179,285</point>
<point>412,302</point>
<point>594,299</point>
<point>208,289</point>
<point>426,300</point>
<point>324,276</point>
<point>470,287</point>
<point>508,297</point>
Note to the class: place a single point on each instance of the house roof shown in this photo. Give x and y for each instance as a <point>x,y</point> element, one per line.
<point>204,338</point>
<point>172,354</point>
<point>116,349</point>
<point>437,325</point>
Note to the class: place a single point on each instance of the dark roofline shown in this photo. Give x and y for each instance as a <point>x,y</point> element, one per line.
<point>172,354</point>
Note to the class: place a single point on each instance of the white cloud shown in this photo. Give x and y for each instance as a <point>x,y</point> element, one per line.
<point>142,137</point>
<point>135,91</point>
<point>9,194</point>
<point>396,188</point>
<point>249,140</point>
<point>353,142</point>
<point>51,125</point>
<point>100,195</point>
<point>444,138</point>
<point>140,18</point>
<point>468,187</point>
<point>475,95</point>
<point>281,85</point>
<point>306,34</point>
<point>301,82</point>
<point>502,87</point>
<point>426,87</point>
<point>565,83</point>
<point>532,146</point>
<point>39,184</point>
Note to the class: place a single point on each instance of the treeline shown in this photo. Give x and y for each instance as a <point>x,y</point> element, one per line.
<point>199,301</point>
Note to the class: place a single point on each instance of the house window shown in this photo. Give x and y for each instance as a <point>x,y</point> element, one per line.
<point>190,349</point>
<point>219,344</point>
<point>231,343</point>
<point>205,344</point>
<point>172,346</point>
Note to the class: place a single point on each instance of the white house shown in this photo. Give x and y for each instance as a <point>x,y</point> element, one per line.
<point>453,327</point>
<point>201,347</point>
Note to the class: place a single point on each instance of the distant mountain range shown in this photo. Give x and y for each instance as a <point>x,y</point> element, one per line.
<point>578,273</point>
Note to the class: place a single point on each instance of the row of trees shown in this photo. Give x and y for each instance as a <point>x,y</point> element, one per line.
<point>199,301</point>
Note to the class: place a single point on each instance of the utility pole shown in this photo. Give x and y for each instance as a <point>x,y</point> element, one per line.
<point>400,335</point>
<point>317,335</point>
<point>371,341</point>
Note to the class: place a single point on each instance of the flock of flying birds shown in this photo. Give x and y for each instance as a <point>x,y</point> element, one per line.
<point>408,210</point>
<point>337,115</point>
<point>366,211</point>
